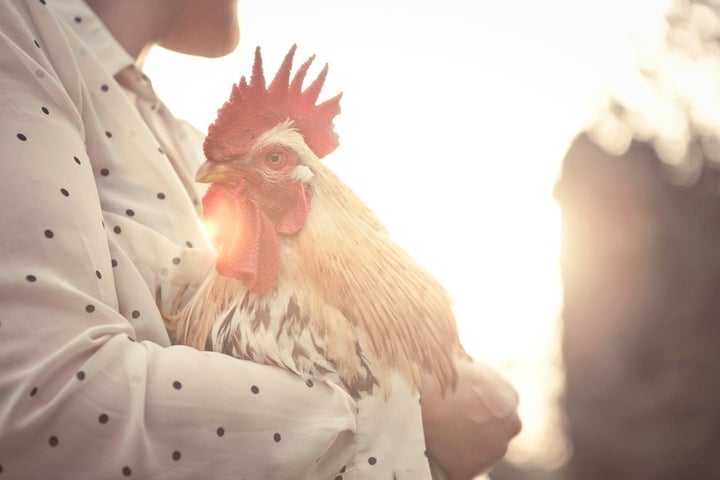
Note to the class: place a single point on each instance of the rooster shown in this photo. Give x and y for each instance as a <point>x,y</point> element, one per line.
<point>306,276</point>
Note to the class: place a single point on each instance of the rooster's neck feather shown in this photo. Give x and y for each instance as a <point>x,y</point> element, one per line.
<point>400,313</point>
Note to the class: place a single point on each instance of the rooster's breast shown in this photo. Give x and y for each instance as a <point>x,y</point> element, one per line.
<point>275,329</point>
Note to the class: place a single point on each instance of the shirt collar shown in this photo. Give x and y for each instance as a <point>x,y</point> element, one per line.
<point>95,34</point>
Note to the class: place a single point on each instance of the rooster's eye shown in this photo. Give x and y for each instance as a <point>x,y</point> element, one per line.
<point>275,159</point>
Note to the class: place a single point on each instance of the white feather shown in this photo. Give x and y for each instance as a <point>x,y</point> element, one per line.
<point>302,173</point>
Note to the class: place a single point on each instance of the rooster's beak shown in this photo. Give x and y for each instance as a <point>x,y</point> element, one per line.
<point>213,172</point>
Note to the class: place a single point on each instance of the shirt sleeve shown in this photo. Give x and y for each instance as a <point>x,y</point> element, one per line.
<point>80,396</point>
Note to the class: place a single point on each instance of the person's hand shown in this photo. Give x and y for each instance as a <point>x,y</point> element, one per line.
<point>467,431</point>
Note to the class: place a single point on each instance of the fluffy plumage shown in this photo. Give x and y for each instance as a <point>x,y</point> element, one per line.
<point>307,277</point>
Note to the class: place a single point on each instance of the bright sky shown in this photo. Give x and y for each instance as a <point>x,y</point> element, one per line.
<point>456,116</point>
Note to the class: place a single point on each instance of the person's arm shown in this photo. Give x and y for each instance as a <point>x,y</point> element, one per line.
<point>78,397</point>
<point>467,431</point>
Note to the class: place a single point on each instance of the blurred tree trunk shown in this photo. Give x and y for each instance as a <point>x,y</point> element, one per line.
<point>641,271</point>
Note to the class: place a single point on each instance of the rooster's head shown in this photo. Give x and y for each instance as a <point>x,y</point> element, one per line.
<point>257,154</point>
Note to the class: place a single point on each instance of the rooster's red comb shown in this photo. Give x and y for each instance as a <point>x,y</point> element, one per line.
<point>252,109</point>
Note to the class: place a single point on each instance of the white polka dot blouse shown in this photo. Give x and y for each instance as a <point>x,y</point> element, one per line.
<point>100,215</point>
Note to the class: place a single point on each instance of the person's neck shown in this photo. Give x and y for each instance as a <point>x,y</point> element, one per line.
<point>135,25</point>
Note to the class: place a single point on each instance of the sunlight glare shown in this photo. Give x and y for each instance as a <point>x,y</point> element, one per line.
<point>455,120</point>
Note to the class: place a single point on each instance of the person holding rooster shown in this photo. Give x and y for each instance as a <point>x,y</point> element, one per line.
<point>102,213</point>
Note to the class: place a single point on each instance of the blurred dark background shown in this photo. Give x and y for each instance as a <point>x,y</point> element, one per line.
<point>640,263</point>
